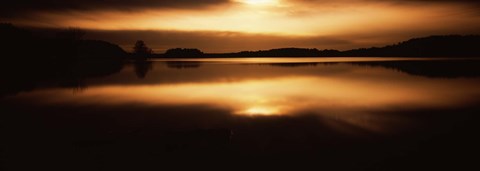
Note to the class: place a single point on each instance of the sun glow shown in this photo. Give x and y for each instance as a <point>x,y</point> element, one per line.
<point>260,110</point>
<point>281,18</point>
<point>259,2</point>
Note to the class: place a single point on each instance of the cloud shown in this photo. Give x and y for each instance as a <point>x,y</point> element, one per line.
<point>474,4</point>
<point>26,7</point>
<point>229,26</point>
<point>388,1</point>
<point>217,41</point>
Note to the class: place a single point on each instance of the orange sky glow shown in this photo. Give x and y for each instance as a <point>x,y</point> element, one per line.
<point>359,22</point>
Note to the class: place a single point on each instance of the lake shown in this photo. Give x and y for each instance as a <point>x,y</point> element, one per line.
<point>332,113</point>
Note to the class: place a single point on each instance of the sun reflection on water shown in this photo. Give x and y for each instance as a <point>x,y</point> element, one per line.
<point>346,97</point>
<point>272,96</point>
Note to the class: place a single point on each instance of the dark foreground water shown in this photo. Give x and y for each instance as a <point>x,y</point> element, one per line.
<point>332,114</point>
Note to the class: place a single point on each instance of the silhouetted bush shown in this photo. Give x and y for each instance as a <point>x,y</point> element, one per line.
<point>183,53</point>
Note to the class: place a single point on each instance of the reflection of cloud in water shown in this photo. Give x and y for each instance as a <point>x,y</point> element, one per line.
<point>349,100</point>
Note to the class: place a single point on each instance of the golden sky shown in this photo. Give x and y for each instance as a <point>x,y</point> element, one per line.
<point>233,25</point>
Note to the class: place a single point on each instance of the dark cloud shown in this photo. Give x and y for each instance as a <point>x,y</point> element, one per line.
<point>400,2</point>
<point>433,1</point>
<point>470,6</point>
<point>471,3</point>
<point>235,42</point>
<point>393,1</point>
<point>25,7</point>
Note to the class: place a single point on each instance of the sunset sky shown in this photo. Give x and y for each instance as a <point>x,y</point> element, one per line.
<point>236,25</point>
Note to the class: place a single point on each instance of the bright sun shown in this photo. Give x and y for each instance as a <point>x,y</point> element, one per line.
<point>260,110</point>
<point>259,2</point>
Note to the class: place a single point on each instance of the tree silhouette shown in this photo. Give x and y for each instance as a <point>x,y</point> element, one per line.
<point>141,50</point>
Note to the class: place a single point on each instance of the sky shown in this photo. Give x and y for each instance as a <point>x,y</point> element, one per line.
<point>238,25</point>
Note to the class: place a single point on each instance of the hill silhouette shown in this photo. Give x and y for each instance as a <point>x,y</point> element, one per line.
<point>31,60</point>
<point>433,46</point>
<point>98,49</point>
<point>66,45</point>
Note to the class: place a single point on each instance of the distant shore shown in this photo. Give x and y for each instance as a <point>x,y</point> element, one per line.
<point>70,45</point>
<point>433,46</point>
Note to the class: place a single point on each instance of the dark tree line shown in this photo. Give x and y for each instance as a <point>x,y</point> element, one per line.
<point>64,59</point>
<point>183,52</point>
<point>433,46</point>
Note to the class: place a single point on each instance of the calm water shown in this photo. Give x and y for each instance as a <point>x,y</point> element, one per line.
<point>360,113</point>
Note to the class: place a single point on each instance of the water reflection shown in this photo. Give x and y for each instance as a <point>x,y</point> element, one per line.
<point>142,67</point>
<point>183,64</point>
<point>345,92</point>
<point>339,115</point>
